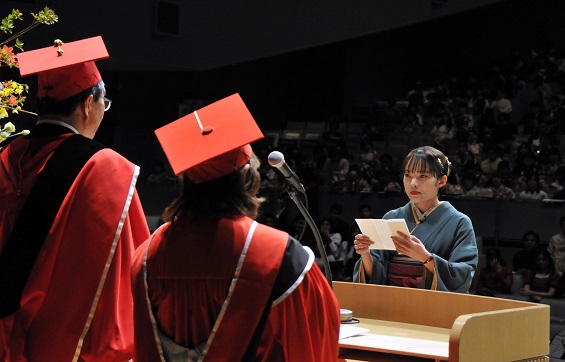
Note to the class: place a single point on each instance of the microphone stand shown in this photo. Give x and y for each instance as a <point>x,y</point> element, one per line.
<point>292,194</point>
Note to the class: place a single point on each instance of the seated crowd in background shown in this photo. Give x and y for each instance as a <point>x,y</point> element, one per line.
<point>503,131</point>
<point>502,128</point>
<point>539,269</point>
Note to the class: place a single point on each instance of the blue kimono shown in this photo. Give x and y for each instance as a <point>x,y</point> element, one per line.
<point>446,233</point>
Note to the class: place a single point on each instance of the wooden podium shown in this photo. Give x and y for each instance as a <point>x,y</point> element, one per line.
<point>423,325</point>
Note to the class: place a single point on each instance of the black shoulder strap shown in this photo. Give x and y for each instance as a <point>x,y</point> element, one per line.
<point>36,218</point>
<point>293,264</point>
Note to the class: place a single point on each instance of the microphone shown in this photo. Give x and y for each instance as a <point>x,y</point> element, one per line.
<point>276,159</point>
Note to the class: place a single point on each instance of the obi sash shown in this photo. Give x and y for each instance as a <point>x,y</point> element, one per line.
<point>405,273</point>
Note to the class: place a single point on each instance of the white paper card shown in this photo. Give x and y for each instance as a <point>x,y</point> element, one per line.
<point>380,231</point>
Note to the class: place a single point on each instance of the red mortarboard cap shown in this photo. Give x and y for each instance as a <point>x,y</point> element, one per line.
<point>64,70</point>
<point>212,141</point>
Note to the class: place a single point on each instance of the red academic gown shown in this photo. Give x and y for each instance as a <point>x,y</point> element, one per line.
<point>189,271</point>
<point>77,303</point>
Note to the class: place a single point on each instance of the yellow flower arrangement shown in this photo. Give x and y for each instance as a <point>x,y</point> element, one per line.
<point>12,97</point>
<point>8,130</point>
<point>12,94</point>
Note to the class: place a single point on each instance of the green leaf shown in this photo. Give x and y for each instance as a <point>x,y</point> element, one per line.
<point>19,45</point>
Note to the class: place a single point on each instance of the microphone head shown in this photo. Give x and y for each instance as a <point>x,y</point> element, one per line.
<point>276,158</point>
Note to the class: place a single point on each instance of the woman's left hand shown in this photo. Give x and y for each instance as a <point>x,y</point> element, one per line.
<point>525,291</point>
<point>411,246</point>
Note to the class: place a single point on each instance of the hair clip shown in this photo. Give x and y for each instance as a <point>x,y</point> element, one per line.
<point>448,166</point>
<point>440,164</point>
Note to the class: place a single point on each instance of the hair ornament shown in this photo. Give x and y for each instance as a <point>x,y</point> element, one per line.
<point>448,166</point>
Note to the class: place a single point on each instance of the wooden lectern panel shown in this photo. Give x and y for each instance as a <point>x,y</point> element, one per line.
<point>473,328</point>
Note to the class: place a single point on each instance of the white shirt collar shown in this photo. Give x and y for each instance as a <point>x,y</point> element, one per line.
<point>50,121</point>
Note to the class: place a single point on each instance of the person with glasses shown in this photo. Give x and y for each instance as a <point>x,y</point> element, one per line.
<point>70,220</point>
<point>107,103</point>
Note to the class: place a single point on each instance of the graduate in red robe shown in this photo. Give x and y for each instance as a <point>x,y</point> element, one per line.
<point>73,302</point>
<point>213,284</point>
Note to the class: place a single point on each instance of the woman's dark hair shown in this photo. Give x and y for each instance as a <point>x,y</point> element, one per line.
<point>533,177</point>
<point>229,196</point>
<point>65,107</point>
<point>550,264</point>
<point>429,159</point>
<point>531,233</point>
<point>325,219</point>
<point>494,253</point>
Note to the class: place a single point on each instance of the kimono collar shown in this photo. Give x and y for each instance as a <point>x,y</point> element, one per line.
<point>419,216</point>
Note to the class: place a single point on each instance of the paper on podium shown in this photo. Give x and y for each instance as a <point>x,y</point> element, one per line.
<point>380,231</point>
<point>350,331</point>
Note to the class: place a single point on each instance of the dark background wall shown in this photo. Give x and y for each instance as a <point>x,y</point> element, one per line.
<point>293,61</point>
<point>330,81</point>
<point>193,35</point>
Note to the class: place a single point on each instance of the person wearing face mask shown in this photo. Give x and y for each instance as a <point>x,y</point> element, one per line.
<point>440,253</point>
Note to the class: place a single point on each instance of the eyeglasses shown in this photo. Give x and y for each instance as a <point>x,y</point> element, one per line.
<point>107,103</point>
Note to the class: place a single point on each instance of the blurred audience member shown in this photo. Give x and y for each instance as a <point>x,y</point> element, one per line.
<point>444,130</point>
<point>533,189</point>
<point>476,186</point>
<point>159,175</point>
<point>525,164</point>
<point>332,240</point>
<point>499,189</point>
<point>338,224</point>
<point>524,261</point>
<point>490,164</point>
<point>357,180</point>
<point>368,155</point>
<point>495,278</point>
<point>337,165</point>
<point>473,144</point>
<point>337,249</point>
<point>556,247</point>
<point>544,280</point>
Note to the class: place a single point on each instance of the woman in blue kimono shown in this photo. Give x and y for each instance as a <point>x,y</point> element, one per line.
<point>441,251</point>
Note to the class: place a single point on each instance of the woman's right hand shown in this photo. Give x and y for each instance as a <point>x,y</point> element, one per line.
<point>362,244</point>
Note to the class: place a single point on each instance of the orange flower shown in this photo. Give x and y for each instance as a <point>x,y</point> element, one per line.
<point>8,55</point>
<point>12,101</point>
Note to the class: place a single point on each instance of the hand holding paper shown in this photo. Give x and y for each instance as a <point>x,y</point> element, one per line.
<point>380,231</point>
